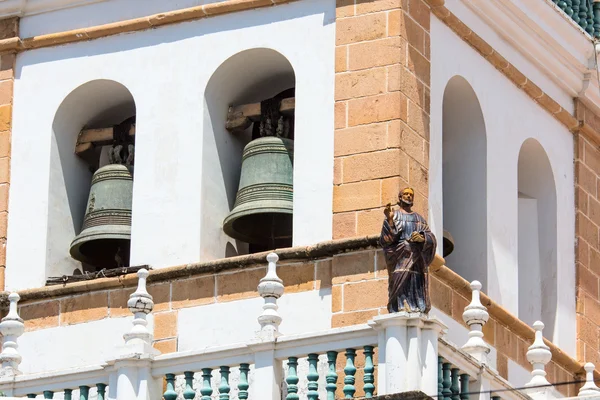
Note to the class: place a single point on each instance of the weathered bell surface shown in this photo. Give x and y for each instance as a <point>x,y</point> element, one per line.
<point>448,244</point>
<point>106,232</point>
<point>262,214</point>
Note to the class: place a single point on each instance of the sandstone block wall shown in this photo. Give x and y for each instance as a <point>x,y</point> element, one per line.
<point>381,110</point>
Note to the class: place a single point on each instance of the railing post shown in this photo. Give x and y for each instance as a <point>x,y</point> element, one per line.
<point>475,316</point>
<point>11,328</point>
<point>268,370</point>
<point>131,378</point>
<point>407,342</point>
<point>589,388</point>
<point>538,356</point>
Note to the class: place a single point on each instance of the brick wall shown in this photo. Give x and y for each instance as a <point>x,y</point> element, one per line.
<point>170,297</point>
<point>8,29</point>
<point>381,110</point>
<point>587,255</point>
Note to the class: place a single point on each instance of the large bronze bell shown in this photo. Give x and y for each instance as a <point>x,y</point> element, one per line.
<point>106,232</point>
<point>262,214</point>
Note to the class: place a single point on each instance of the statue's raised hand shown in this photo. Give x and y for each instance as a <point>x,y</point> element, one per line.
<point>389,212</point>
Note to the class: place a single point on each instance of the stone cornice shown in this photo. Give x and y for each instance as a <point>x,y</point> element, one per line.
<point>132,25</point>
<point>548,39</point>
<point>22,8</point>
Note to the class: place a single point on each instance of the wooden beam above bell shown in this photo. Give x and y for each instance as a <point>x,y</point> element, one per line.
<point>91,139</point>
<point>239,118</point>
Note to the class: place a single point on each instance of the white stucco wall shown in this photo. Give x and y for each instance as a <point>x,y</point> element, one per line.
<point>166,70</point>
<point>510,118</point>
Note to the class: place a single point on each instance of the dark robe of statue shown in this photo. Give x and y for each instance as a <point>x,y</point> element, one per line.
<point>407,261</point>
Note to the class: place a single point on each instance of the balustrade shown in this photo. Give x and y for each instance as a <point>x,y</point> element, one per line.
<point>585,13</point>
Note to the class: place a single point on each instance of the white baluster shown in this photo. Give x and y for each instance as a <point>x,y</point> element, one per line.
<point>538,355</point>
<point>11,328</point>
<point>140,304</point>
<point>476,316</point>
<point>270,289</point>
<point>589,388</point>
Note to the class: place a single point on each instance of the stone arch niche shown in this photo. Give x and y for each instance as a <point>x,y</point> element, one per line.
<point>464,155</point>
<point>537,237</point>
<point>250,76</point>
<point>95,104</point>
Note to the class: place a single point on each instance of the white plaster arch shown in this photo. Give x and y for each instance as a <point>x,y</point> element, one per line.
<point>511,117</point>
<point>464,163</point>
<point>93,104</point>
<point>537,232</point>
<point>249,76</point>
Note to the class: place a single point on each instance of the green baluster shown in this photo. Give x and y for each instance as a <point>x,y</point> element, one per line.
<point>224,388</point>
<point>243,385</point>
<point>369,378</point>
<point>313,377</point>
<point>331,377</point>
<point>31,396</point>
<point>496,398</point>
<point>562,4</point>
<point>440,378</point>
<point>349,370</point>
<point>189,392</point>
<point>569,8</point>
<point>454,386</point>
<point>464,387</point>
<point>84,392</point>
<point>48,394</point>
<point>101,391</point>
<point>68,393</point>
<point>596,9</point>
<point>292,379</point>
<point>582,17</point>
<point>446,392</point>
<point>170,393</point>
<point>206,390</point>
<point>590,20</point>
<point>575,7</point>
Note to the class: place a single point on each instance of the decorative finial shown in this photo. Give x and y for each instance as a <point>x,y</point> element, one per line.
<point>538,355</point>
<point>140,304</point>
<point>11,328</point>
<point>475,316</point>
<point>270,289</point>
<point>589,388</point>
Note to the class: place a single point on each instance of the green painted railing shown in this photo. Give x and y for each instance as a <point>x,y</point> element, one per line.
<point>84,393</point>
<point>452,383</point>
<point>206,391</point>
<point>586,13</point>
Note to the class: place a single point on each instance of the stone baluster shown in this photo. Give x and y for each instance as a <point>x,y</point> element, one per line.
<point>590,19</point>
<point>440,391</point>
<point>596,7</point>
<point>170,393</point>
<point>31,396</point>
<point>350,370</point>
<point>447,381</point>
<point>140,304</point>
<point>369,378</point>
<point>11,328</point>
<point>475,316</point>
<point>270,289</point>
<point>575,6</point>
<point>589,388</point>
<point>582,16</point>
<point>454,387</point>
<point>292,379</point>
<point>84,392</point>
<point>539,355</point>
<point>224,387</point>
<point>331,377</point>
<point>48,394</point>
<point>464,387</point>
<point>313,377</point>
<point>101,391</point>
<point>189,392</point>
<point>206,390</point>
<point>243,385</point>
<point>68,394</point>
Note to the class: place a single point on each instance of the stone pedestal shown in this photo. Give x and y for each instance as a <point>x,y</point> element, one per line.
<point>408,350</point>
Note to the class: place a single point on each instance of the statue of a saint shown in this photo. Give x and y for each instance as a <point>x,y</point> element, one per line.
<point>409,248</point>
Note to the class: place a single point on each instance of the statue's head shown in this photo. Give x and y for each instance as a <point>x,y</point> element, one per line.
<point>406,196</point>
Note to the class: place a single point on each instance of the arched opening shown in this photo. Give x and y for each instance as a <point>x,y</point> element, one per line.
<point>249,77</point>
<point>96,104</point>
<point>537,237</point>
<point>465,180</point>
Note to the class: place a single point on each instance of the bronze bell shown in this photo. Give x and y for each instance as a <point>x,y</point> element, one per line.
<point>105,236</point>
<point>262,213</point>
